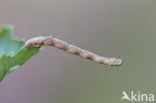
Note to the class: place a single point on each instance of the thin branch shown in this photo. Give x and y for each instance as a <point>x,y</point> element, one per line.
<point>50,41</point>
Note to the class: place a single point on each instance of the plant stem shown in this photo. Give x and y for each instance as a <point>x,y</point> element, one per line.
<point>50,41</point>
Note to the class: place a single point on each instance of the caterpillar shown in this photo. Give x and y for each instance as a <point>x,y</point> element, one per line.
<point>50,41</point>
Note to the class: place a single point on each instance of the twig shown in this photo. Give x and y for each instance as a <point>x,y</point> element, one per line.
<point>50,41</point>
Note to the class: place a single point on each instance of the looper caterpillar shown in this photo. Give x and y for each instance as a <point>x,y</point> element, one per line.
<point>50,41</point>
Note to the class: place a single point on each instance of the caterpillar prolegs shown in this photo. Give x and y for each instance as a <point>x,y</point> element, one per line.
<point>50,41</point>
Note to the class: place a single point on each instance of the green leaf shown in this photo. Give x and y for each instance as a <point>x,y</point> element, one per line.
<point>12,52</point>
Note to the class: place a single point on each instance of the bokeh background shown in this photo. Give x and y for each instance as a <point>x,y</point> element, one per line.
<point>118,28</point>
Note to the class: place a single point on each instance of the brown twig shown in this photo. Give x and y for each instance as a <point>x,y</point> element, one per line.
<point>50,41</point>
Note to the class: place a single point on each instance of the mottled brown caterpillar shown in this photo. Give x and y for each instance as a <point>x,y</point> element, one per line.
<point>50,41</point>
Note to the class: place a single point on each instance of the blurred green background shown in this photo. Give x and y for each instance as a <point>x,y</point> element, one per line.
<point>117,28</point>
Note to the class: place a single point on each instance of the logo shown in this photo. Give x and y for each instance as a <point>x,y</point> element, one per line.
<point>137,97</point>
